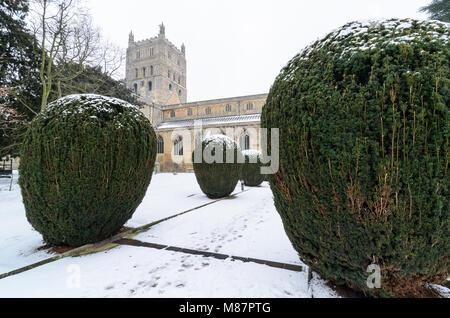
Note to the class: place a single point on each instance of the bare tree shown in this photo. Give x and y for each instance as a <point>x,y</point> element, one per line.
<point>69,41</point>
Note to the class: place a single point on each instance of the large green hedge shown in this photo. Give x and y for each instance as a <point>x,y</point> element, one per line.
<point>364,151</point>
<point>251,170</point>
<point>86,163</point>
<point>218,178</point>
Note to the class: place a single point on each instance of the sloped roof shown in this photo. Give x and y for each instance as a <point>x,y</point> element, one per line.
<point>174,99</point>
<point>226,121</point>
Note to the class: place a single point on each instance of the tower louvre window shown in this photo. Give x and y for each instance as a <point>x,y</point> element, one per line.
<point>170,87</point>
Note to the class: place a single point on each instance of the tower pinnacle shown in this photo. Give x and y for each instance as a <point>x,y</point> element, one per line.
<point>162,30</point>
<point>131,37</point>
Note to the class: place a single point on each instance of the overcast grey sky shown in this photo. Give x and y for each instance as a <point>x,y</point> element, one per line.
<point>237,47</point>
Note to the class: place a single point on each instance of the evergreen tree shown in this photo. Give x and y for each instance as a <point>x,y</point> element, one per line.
<point>19,74</point>
<point>92,80</point>
<point>438,10</point>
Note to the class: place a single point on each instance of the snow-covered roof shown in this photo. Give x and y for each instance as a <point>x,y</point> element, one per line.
<point>227,120</point>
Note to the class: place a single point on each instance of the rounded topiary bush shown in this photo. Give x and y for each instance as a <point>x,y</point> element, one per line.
<point>251,169</point>
<point>364,133</point>
<point>217,174</point>
<point>86,163</point>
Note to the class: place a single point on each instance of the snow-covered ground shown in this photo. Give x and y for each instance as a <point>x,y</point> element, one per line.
<point>246,225</point>
<point>167,195</point>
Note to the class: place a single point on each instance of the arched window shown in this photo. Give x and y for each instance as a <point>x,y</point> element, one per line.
<point>160,145</point>
<point>143,71</point>
<point>150,86</point>
<point>151,70</point>
<point>249,106</point>
<point>136,73</point>
<point>189,112</point>
<point>178,146</point>
<point>172,114</point>
<point>208,111</point>
<point>179,80</point>
<point>228,108</point>
<point>179,92</point>
<point>168,74</point>
<point>135,86</point>
<point>170,87</point>
<point>244,142</point>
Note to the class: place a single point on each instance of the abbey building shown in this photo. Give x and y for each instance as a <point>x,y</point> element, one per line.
<point>156,71</point>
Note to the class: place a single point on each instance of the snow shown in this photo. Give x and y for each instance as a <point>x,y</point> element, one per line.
<point>89,104</point>
<point>252,155</point>
<point>227,120</point>
<point>140,272</point>
<point>18,240</point>
<point>246,225</point>
<point>364,35</point>
<point>219,140</point>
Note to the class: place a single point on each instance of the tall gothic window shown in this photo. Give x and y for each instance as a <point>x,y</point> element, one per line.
<point>135,86</point>
<point>143,71</point>
<point>160,145</point>
<point>151,70</point>
<point>136,73</point>
<point>150,86</point>
<point>178,146</point>
<point>244,142</point>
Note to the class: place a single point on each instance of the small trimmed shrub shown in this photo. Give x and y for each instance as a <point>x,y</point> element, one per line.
<point>251,170</point>
<point>86,163</point>
<point>215,176</point>
<point>364,149</point>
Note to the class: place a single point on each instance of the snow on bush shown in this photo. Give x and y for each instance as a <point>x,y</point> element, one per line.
<point>363,115</point>
<point>216,174</point>
<point>86,163</point>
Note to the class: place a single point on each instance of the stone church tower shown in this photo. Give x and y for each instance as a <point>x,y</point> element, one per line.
<point>156,70</point>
